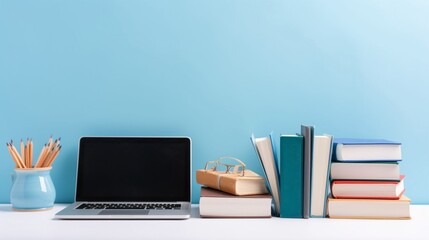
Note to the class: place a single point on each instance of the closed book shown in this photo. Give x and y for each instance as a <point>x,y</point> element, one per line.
<point>264,148</point>
<point>369,208</point>
<point>322,149</point>
<point>365,171</point>
<point>291,175</point>
<point>308,133</point>
<point>215,203</point>
<point>368,189</point>
<point>361,150</point>
<point>248,184</point>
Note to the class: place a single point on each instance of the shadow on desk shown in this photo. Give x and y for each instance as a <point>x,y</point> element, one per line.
<point>195,212</point>
<point>7,208</point>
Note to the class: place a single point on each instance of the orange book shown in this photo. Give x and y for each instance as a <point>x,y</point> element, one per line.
<point>236,184</point>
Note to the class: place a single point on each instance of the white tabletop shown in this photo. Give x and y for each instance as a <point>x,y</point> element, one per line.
<point>41,225</point>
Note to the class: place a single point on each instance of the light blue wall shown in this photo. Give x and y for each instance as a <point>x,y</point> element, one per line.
<point>215,71</point>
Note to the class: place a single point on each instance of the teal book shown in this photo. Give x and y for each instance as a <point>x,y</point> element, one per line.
<point>291,176</point>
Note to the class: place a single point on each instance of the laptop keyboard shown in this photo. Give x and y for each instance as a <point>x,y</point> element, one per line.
<point>155,206</point>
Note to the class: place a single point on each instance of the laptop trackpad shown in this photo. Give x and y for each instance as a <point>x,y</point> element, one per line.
<point>124,212</point>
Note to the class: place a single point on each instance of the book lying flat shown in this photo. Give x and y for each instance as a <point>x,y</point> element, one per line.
<point>365,171</point>
<point>214,203</point>
<point>362,150</point>
<point>369,208</point>
<point>249,184</point>
<point>368,189</point>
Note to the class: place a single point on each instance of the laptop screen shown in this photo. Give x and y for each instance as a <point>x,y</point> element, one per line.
<point>134,169</point>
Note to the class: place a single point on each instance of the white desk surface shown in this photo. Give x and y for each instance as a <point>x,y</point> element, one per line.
<point>41,225</point>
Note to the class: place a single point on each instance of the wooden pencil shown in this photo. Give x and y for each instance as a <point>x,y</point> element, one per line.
<point>54,156</point>
<point>27,151</point>
<point>22,150</point>
<point>30,161</point>
<point>42,153</point>
<point>15,152</point>
<point>16,156</point>
<point>48,157</point>
<point>13,157</point>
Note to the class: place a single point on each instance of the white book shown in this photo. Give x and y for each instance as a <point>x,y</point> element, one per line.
<point>365,171</point>
<point>369,208</point>
<point>264,149</point>
<point>320,175</point>
<point>215,203</point>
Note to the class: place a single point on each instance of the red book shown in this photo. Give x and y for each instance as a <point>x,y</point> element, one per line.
<point>368,189</point>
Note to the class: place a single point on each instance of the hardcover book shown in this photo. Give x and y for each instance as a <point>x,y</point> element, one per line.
<point>214,203</point>
<point>265,150</point>
<point>362,150</point>
<point>308,133</point>
<point>365,171</point>
<point>369,208</point>
<point>322,149</point>
<point>368,189</point>
<point>291,177</point>
<point>248,184</point>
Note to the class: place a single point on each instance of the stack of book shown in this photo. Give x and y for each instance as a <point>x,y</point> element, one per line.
<point>233,195</point>
<point>366,180</point>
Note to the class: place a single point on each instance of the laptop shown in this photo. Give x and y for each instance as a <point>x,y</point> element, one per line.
<point>132,178</point>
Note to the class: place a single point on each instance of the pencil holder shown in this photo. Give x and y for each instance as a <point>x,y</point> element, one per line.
<point>32,189</point>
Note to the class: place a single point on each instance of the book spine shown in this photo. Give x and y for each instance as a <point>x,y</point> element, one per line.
<point>308,134</point>
<point>291,177</point>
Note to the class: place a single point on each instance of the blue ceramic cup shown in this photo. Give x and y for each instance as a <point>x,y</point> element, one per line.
<point>32,189</point>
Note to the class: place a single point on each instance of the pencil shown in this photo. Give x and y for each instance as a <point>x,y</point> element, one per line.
<point>47,157</point>
<point>16,156</point>
<point>15,152</point>
<point>27,154</point>
<point>13,157</point>
<point>30,161</point>
<point>54,156</point>
<point>42,153</point>
<point>22,150</point>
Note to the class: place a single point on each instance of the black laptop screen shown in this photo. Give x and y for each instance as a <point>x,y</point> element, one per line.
<point>134,169</point>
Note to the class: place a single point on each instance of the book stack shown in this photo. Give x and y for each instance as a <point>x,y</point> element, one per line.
<point>233,194</point>
<point>366,180</point>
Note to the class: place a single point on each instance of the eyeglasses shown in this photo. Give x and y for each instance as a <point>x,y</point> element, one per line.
<point>221,165</point>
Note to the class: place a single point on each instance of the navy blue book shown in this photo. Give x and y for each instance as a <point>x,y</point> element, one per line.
<point>366,150</point>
